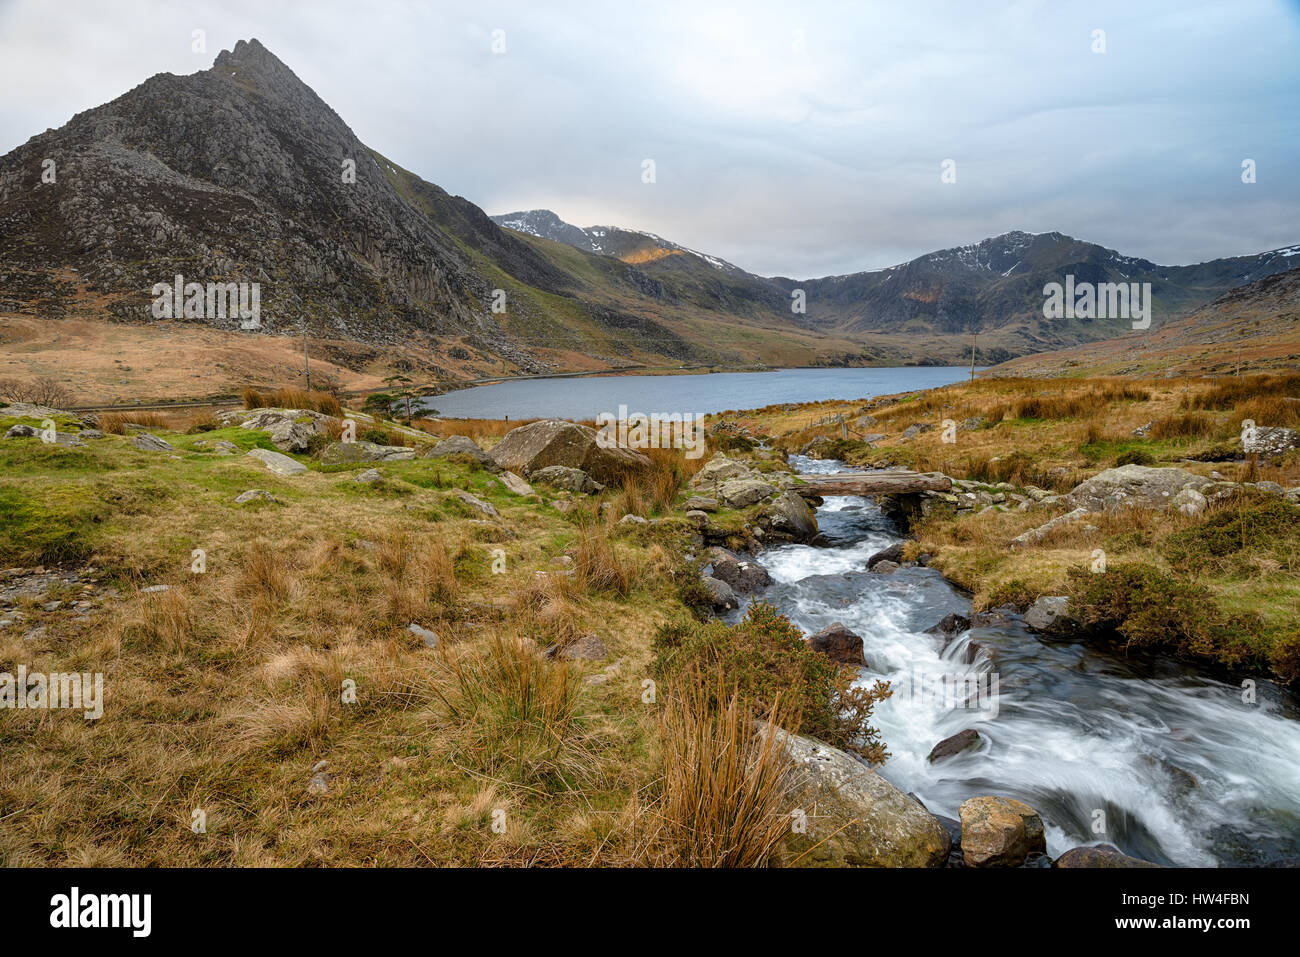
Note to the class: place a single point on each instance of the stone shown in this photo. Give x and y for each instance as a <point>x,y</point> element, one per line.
<point>741,493</point>
<point>151,443</point>
<point>631,519</point>
<point>291,436</point>
<point>744,577</point>
<point>720,469</point>
<point>1036,535</point>
<point>886,567</point>
<point>463,445</point>
<point>949,626</point>
<point>320,779</point>
<point>1133,486</point>
<point>556,442</point>
<point>697,518</point>
<point>586,648</point>
<point>369,476</point>
<point>788,517</point>
<point>698,503</point>
<point>1269,440</point>
<point>1000,832</point>
<point>959,743</point>
<point>155,589</point>
<point>1048,613</point>
<point>855,817</point>
<point>1099,855</point>
<point>474,502</point>
<point>724,598</point>
<point>1189,502</point>
<point>514,484</point>
<point>567,479</point>
<point>839,644</point>
<point>278,463</point>
<point>345,453</point>
<point>253,494</point>
<point>892,553</point>
<point>429,638</point>
<point>22,432</point>
<point>912,431</point>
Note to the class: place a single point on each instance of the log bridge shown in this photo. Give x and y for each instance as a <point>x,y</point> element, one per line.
<point>884,482</point>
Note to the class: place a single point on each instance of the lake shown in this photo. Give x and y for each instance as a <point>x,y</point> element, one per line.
<point>585,397</point>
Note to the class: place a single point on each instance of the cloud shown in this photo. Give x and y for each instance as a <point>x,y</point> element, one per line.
<point>797,141</point>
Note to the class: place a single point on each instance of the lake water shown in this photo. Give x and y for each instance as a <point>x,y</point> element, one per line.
<point>586,397</point>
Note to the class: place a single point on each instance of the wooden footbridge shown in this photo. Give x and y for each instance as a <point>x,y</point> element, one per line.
<point>885,482</point>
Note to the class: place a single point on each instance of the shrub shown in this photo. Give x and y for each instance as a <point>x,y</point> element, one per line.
<point>1135,457</point>
<point>1267,527</point>
<point>765,658</point>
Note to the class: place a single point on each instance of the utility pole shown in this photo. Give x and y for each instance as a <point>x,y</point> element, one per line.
<point>972,355</point>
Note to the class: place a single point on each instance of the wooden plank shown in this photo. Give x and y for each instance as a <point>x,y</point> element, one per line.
<point>898,482</point>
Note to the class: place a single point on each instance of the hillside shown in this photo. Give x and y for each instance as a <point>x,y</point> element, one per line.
<point>1252,328</point>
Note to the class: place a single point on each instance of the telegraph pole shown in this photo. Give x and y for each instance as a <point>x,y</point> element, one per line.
<point>305,358</point>
<point>972,355</point>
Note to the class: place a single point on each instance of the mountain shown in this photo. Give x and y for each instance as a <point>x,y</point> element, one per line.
<point>993,288</point>
<point>1254,327</point>
<point>242,174</point>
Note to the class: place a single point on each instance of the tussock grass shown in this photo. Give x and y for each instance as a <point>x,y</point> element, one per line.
<point>115,423</point>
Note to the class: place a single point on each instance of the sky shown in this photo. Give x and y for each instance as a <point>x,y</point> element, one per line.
<point>795,139</point>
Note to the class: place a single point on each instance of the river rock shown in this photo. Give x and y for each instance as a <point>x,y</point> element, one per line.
<point>959,743</point>
<point>1048,613</point>
<point>744,577</point>
<point>886,567</point>
<point>277,463</point>
<point>892,553</point>
<point>1000,832</point>
<point>741,493</point>
<point>949,626</point>
<point>344,453</point>
<point>1099,855</point>
<point>1133,486</point>
<point>855,818</point>
<point>555,442</point>
<point>567,479</point>
<point>788,518</point>
<point>463,445</point>
<point>839,644</point>
<point>724,598</point>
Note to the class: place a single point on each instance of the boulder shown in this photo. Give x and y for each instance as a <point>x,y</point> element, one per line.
<point>720,469</point>
<point>474,502</point>
<point>949,626</point>
<point>1035,535</point>
<point>744,577</point>
<point>839,644</point>
<point>741,493</point>
<point>429,638</point>
<point>1270,440</point>
<point>369,476</point>
<point>1048,613</point>
<point>277,463</point>
<point>514,484</point>
<point>886,567</point>
<point>346,453</point>
<point>567,479</point>
<point>22,432</point>
<point>252,495</point>
<point>1099,855</point>
<point>151,443</point>
<point>291,436</point>
<point>724,598</point>
<point>788,517</point>
<point>463,445</point>
<point>893,553</point>
<point>698,503</point>
<point>855,818</point>
<point>959,743</point>
<point>1000,832</point>
<point>1133,486</point>
<point>555,442</point>
<point>586,648</point>
<point>1189,502</point>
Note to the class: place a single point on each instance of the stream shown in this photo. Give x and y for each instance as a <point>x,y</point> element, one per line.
<point>1163,761</point>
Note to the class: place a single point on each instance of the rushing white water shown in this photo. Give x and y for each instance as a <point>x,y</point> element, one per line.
<point>1172,765</point>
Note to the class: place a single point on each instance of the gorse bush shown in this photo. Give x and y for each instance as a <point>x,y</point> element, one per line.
<point>766,660</point>
<point>1228,539</point>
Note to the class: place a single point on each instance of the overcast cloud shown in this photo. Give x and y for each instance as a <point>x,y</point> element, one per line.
<point>784,161</point>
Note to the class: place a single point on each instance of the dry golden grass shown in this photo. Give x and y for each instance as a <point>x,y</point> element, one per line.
<point>115,423</point>
<point>290,398</point>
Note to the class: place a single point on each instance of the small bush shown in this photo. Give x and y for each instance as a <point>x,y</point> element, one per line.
<point>1135,457</point>
<point>767,660</point>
